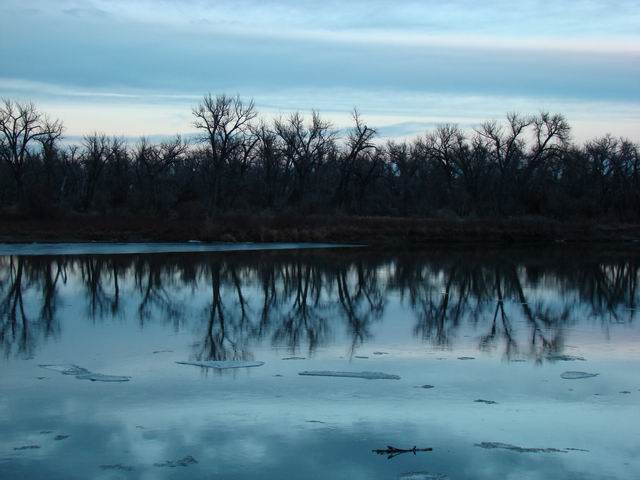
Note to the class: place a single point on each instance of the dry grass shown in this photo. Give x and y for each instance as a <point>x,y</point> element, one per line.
<point>376,231</point>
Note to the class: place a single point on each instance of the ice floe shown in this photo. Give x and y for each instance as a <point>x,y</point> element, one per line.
<point>515,448</point>
<point>577,375</point>
<point>223,364</point>
<point>422,476</point>
<point>84,374</point>
<point>117,466</point>
<point>565,358</point>
<point>183,462</point>
<point>365,375</point>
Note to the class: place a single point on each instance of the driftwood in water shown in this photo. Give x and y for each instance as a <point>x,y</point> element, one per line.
<point>393,451</point>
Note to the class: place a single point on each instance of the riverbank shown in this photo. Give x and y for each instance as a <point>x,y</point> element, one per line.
<point>374,231</point>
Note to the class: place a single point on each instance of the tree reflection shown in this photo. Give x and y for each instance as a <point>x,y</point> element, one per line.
<point>518,306</point>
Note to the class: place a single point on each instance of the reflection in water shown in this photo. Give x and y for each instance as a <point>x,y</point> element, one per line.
<point>298,300</point>
<point>137,315</point>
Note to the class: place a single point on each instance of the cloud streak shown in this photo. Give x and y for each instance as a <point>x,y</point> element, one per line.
<point>163,52</point>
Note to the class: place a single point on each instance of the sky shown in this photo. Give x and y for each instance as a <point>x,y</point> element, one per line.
<point>127,67</point>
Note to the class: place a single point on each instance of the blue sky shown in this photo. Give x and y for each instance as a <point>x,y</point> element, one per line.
<point>136,67</point>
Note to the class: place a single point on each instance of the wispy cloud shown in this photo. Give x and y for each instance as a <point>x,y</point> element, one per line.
<point>402,60</point>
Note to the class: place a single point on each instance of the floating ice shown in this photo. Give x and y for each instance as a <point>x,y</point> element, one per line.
<point>183,462</point>
<point>564,358</point>
<point>66,369</point>
<point>422,476</point>
<point>223,364</point>
<point>99,377</point>
<point>117,466</point>
<point>365,375</point>
<point>84,374</point>
<point>515,448</point>
<point>577,375</point>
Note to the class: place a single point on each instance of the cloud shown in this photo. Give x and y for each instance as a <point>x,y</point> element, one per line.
<point>376,54</point>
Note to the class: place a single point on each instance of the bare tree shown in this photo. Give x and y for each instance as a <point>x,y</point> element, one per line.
<point>359,142</point>
<point>153,162</point>
<point>96,154</point>
<point>306,148</point>
<point>20,125</point>
<point>225,122</point>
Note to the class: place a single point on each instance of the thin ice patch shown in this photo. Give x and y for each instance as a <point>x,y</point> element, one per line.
<point>577,375</point>
<point>365,375</point>
<point>117,466</point>
<point>183,462</point>
<point>223,364</point>
<point>84,374</point>
<point>565,358</point>
<point>422,476</point>
<point>515,448</point>
<point>99,377</point>
<point>66,369</point>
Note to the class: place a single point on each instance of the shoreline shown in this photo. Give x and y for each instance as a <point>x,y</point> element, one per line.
<point>372,231</point>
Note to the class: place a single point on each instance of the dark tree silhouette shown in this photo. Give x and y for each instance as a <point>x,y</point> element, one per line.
<point>242,164</point>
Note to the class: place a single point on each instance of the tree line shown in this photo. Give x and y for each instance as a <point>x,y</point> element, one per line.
<point>240,162</point>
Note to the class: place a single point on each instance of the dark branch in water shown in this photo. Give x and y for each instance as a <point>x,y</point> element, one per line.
<point>394,452</point>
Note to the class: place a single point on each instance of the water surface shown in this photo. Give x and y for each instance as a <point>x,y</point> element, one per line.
<point>490,325</point>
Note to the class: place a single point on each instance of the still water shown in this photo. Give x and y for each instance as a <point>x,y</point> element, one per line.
<point>480,341</point>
